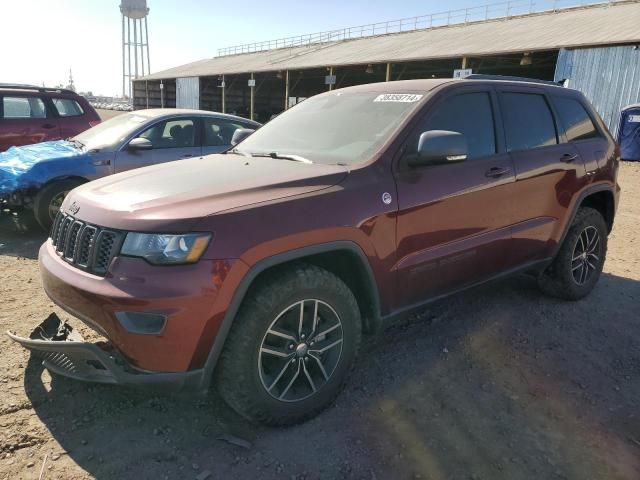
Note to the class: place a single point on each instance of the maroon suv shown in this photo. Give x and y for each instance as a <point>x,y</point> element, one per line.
<point>30,114</point>
<point>260,269</point>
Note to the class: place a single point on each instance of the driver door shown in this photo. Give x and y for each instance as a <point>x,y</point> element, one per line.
<point>172,139</point>
<point>453,224</point>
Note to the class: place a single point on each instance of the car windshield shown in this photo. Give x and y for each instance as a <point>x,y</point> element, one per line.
<point>334,128</point>
<point>110,132</point>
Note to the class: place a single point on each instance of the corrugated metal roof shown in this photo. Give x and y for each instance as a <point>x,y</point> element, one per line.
<point>588,26</point>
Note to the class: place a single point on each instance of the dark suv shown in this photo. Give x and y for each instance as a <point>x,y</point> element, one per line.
<point>261,268</point>
<point>30,114</point>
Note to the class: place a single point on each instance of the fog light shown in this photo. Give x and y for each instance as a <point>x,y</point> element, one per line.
<point>141,322</point>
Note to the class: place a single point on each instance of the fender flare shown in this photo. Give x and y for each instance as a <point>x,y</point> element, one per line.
<point>576,206</point>
<point>272,261</point>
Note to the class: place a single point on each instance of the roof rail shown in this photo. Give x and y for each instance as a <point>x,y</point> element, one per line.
<point>508,78</point>
<point>18,86</point>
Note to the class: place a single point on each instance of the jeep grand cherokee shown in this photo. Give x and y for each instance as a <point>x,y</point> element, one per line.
<point>260,269</point>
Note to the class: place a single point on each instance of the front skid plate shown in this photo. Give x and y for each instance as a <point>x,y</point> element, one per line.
<point>64,352</point>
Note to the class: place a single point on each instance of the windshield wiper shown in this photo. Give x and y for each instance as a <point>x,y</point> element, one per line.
<point>77,143</point>
<point>282,156</point>
<point>238,152</point>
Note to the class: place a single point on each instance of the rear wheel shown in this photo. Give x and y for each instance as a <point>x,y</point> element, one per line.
<point>48,201</point>
<point>291,347</point>
<point>578,265</point>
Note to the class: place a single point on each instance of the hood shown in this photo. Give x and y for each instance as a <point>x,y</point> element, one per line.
<point>33,165</point>
<point>173,196</point>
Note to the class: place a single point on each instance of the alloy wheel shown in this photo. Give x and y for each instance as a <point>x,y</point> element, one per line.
<point>586,255</point>
<point>56,203</point>
<point>300,350</point>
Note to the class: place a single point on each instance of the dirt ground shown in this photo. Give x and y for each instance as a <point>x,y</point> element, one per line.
<point>497,383</point>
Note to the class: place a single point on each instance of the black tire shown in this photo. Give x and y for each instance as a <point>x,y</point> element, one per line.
<point>240,377</point>
<point>559,279</point>
<point>42,204</point>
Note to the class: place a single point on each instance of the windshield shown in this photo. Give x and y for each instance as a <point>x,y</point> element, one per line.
<point>111,131</point>
<point>337,128</point>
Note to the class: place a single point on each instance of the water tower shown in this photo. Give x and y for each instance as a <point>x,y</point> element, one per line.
<point>133,49</point>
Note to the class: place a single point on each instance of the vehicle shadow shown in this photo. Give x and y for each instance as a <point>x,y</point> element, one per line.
<point>498,382</point>
<point>20,234</point>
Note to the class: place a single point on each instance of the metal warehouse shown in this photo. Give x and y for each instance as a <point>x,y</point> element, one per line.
<point>593,48</point>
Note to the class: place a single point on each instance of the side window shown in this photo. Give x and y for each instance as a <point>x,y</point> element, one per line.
<point>528,122</point>
<point>219,131</point>
<point>174,133</point>
<point>470,114</point>
<point>577,123</point>
<point>23,107</point>
<point>67,107</point>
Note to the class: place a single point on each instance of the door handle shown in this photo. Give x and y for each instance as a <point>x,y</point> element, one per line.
<point>496,172</point>
<point>48,125</point>
<point>187,155</point>
<point>567,157</point>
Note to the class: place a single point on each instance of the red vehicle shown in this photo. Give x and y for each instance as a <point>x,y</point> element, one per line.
<point>30,114</point>
<point>260,269</point>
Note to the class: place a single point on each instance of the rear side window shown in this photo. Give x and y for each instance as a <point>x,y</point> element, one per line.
<point>577,122</point>
<point>67,107</point>
<point>470,114</point>
<point>23,107</point>
<point>219,132</point>
<point>528,122</point>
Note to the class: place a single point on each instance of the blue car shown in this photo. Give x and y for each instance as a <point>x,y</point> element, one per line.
<point>39,176</point>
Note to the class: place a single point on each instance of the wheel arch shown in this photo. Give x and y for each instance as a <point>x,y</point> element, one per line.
<point>77,178</point>
<point>604,202</point>
<point>602,198</point>
<point>344,259</point>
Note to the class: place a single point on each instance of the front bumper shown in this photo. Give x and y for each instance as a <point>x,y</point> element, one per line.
<point>187,295</point>
<point>64,352</point>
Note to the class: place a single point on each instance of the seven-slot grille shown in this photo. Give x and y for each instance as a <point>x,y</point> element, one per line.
<point>85,246</point>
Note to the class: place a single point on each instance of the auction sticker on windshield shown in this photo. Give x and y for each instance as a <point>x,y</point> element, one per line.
<point>398,97</point>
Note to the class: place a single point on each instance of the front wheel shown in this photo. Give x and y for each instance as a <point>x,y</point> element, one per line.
<point>48,201</point>
<point>291,346</point>
<point>579,262</point>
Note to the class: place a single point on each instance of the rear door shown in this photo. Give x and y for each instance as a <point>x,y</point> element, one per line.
<point>548,171</point>
<point>217,133</point>
<point>25,120</point>
<point>173,139</point>
<point>454,219</point>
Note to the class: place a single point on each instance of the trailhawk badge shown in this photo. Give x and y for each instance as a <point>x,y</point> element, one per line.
<point>74,208</point>
<point>386,198</point>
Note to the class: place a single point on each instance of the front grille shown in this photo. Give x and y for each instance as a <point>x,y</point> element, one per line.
<point>87,247</point>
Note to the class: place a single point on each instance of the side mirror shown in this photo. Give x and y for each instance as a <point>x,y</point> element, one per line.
<point>140,143</point>
<point>440,146</point>
<point>240,134</point>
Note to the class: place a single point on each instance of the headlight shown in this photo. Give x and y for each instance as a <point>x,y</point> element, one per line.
<point>161,249</point>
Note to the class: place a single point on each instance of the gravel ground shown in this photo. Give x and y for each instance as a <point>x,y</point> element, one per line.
<point>497,383</point>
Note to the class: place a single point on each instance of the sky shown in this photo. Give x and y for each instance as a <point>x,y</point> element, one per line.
<point>43,39</point>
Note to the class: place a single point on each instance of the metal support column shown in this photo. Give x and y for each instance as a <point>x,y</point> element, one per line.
<point>253,90</point>
<point>123,64</point>
<point>161,94</point>
<point>146,36</point>
<point>146,87</point>
<point>286,90</point>
<point>388,74</point>
<point>224,95</point>
<point>135,49</point>
<point>331,74</point>
<point>141,51</point>
<point>129,53</point>
<point>464,62</point>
